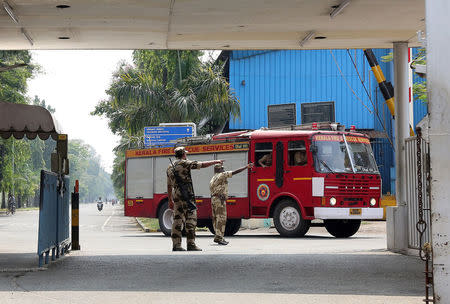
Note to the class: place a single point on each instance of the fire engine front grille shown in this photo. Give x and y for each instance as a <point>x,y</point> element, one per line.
<point>353,187</point>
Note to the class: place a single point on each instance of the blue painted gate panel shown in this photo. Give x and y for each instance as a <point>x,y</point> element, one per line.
<point>54,219</point>
<point>63,214</point>
<point>47,212</point>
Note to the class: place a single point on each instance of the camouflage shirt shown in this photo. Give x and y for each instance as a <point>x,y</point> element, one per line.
<point>219,184</point>
<point>183,168</point>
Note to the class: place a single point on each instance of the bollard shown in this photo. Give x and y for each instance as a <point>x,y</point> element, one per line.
<point>75,218</point>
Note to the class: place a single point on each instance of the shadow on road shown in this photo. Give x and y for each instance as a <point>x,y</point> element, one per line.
<point>159,235</point>
<point>356,274</point>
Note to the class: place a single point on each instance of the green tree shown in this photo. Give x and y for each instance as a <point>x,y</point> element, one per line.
<point>167,86</point>
<point>13,83</point>
<point>22,160</point>
<point>13,87</point>
<point>85,167</point>
<point>164,86</point>
<point>419,88</point>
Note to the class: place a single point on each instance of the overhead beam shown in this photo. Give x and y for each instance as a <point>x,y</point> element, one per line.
<point>206,24</point>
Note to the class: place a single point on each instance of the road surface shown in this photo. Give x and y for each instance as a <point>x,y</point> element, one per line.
<point>119,263</point>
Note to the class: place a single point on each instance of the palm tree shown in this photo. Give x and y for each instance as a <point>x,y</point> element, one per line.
<point>164,86</point>
<point>175,89</point>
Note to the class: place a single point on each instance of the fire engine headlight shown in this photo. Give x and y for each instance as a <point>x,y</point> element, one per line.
<point>332,201</point>
<point>373,202</point>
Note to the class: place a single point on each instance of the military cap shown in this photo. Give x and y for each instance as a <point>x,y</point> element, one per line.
<point>218,166</point>
<point>179,151</point>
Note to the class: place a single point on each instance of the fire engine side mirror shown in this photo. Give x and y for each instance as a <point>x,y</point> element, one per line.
<point>313,149</point>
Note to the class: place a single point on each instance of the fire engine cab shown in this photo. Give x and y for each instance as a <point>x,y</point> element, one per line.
<point>299,176</point>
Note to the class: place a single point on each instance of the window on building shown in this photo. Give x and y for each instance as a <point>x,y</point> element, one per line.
<point>281,115</point>
<point>297,153</point>
<point>317,112</point>
<point>263,154</point>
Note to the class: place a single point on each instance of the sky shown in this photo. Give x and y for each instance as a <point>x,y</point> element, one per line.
<point>73,82</point>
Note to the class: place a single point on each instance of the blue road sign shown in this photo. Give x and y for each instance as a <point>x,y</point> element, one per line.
<point>165,136</point>
<point>169,130</point>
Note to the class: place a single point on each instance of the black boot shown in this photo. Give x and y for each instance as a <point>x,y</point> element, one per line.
<point>178,248</point>
<point>193,248</point>
<point>221,242</point>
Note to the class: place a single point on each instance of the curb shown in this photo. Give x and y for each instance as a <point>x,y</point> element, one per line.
<point>144,228</point>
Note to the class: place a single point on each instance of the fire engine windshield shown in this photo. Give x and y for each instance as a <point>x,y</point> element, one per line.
<point>343,154</point>
<point>361,153</point>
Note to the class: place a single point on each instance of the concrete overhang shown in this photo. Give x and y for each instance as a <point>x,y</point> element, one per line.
<point>208,24</point>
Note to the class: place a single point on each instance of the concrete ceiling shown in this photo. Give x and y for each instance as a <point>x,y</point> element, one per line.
<point>209,24</point>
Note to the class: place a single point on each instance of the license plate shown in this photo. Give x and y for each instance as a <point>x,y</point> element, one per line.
<point>355,211</point>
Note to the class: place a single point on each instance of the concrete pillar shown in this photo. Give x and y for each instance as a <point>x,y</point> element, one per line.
<point>438,83</point>
<point>397,218</point>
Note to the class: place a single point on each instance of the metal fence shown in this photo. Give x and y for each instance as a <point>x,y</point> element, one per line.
<point>54,220</point>
<point>412,191</point>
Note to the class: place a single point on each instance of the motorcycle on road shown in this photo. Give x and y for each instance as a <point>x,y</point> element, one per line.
<point>11,209</point>
<point>11,205</point>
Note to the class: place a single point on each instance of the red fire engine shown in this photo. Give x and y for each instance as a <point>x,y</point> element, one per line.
<point>299,175</point>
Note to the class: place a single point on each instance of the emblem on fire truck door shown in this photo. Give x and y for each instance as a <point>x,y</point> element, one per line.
<point>263,192</point>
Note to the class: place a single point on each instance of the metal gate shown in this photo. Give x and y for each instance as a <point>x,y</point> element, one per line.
<point>412,191</point>
<point>54,220</point>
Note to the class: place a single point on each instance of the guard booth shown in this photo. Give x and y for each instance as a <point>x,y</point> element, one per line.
<point>19,120</point>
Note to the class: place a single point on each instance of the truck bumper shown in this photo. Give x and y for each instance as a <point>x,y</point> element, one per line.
<point>326,213</point>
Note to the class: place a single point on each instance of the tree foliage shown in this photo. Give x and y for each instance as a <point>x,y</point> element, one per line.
<point>167,86</point>
<point>22,160</point>
<point>419,88</point>
<point>85,167</point>
<point>164,86</point>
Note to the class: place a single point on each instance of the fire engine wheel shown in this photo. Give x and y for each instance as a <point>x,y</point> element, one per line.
<point>231,228</point>
<point>288,220</point>
<point>342,228</point>
<point>165,218</point>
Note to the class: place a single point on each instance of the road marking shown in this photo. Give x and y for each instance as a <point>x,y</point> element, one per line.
<point>107,220</point>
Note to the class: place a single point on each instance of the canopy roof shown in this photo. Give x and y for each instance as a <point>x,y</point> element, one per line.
<point>209,24</point>
<point>19,120</point>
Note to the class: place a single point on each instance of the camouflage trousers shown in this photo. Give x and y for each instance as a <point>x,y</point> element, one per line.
<point>219,217</point>
<point>183,217</point>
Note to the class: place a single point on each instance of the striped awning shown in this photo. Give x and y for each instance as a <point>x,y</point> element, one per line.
<point>21,120</point>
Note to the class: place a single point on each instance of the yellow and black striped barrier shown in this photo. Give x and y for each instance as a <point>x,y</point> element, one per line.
<point>75,218</point>
<point>386,87</point>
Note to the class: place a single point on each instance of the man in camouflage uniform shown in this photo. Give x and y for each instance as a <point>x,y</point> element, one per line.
<point>219,194</point>
<point>183,215</point>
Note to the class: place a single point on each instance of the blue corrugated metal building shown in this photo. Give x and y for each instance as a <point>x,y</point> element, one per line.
<point>343,77</point>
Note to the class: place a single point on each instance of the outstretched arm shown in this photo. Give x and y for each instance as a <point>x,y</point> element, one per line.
<point>169,195</point>
<point>248,166</point>
<point>261,162</point>
<point>211,162</point>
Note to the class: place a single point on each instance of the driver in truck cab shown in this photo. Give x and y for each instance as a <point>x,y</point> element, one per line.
<point>266,160</point>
